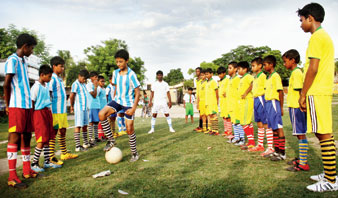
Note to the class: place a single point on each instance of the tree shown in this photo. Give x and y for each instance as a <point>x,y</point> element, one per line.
<point>188,83</point>
<point>73,71</point>
<point>101,59</point>
<point>8,43</point>
<point>213,66</point>
<point>174,77</point>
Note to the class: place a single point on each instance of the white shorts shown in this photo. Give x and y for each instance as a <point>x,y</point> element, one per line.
<point>160,108</point>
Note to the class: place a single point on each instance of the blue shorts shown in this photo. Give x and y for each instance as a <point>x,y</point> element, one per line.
<point>259,110</point>
<point>81,118</point>
<point>120,109</point>
<point>94,115</point>
<point>273,114</point>
<point>298,121</point>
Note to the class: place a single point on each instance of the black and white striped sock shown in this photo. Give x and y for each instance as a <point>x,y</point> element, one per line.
<point>90,131</point>
<point>132,143</point>
<point>106,129</point>
<point>84,135</point>
<point>96,131</point>
<point>77,139</point>
<point>46,153</point>
<point>37,154</point>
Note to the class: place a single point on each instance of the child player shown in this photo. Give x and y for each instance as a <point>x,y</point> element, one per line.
<point>246,103</point>
<point>19,109</point>
<point>188,101</point>
<point>258,91</point>
<point>79,105</point>
<point>94,107</point>
<point>211,102</point>
<point>197,83</point>
<point>103,102</point>
<point>59,111</point>
<point>274,108</point>
<point>291,59</point>
<point>316,95</point>
<point>126,100</point>
<point>159,93</point>
<point>223,83</point>
<point>201,102</point>
<point>42,118</point>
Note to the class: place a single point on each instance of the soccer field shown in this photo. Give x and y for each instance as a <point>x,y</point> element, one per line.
<point>181,164</point>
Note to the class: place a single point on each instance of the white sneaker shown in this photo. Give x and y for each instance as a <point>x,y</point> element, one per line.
<point>319,177</point>
<point>171,130</point>
<point>86,146</point>
<point>240,142</point>
<point>151,131</point>
<point>322,186</point>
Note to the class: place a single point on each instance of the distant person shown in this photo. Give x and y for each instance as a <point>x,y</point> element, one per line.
<point>188,102</point>
<point>103,102</point>
<point>145,108</point>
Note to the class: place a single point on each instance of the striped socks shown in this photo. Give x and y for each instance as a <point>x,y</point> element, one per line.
<point>328,149</point>
<point>153,121</point>
<point>214,124</point>
<point>241,131</point>
<point>236,131</point>
<point>225,125</point>
<point>132,143</point>
<point>62,143</point>
<point>276,141</point>
<point>269,138</point>
<point>77,139</point>
<point>204,126</point>
<point>260,136</point>
<point>52,147</point>
<point>37,154</point>
<point>248,129</point>
<point>106,129</point>
<point>84,135</point>
<point>26,160</point>
<point>90,131</point>
<point>229,127</point>
<point>96,131</point>
<point>12,154</point>
<point>46,153</point>
<point>303,148</point>
<point>281,145</point>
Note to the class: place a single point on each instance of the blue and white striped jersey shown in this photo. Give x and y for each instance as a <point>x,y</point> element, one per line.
<point>20,89</point>
<point>93,103</point>
<point>110,92</point>
<point>59,97</point>
<point>81,101</point>
<point>125,85</point>
<point>41,96</point>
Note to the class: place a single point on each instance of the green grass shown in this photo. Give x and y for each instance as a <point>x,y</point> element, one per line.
<point>180,165</point>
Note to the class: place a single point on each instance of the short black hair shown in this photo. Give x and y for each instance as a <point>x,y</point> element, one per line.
<point>221,70</point>
<point>25,39</point>
<point>198,68</point>
<point>257,60</point>
<point>93,73</point>
<point>209,70</point>
<point>57,60</point>
<point>202,71</point>
<point>244,65</point>
<point>313,9</point>
<point>100,77</point>
<point>159,72</point>
<point>233,63</point>
<point>45,69</point>
<point>292,54</point>
<point>190,89</point>
<point>84,73</point>
<point>270,59</point>
<point>122,53</point>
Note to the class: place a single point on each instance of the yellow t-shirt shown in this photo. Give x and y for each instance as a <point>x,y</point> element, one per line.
<point>223,84</point>
<point>232,92</point>
<point>244,84</point>
<point>295,85</point>
<point>201,93</point>
<point>210,94</point>
<point>258,86</point>
<point>272,86</point>
<point>198,85</point>
<point>321,47</point>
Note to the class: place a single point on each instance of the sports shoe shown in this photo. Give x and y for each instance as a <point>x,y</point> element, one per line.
<point>247,146</point>
<point>37,168</point>
<point>230,136</point>
<point>51,165</point>
<point>171,130</point>
<point>92,143</point>
<point>233,140</point>
<point>109,145</point>
<point>86,146</point>
<point>134,158</point>
<point>151,131</point>
<point>319,177</point>
<point>115,135</point>
<point>278,157</point>
<point>240,142</point>
<point>298,167</point>
<point>256,149</point>
<point>16,183</point>
<point>197,129</point>
<point>31,174</point>
<point>54,160</point>
<point>80,149</point>
<point>268,152</point>
<point>124,132</point>
<point>323,185</point>
<point>68,156</point>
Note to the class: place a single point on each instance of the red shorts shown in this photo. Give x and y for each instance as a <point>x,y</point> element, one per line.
<point>20,120</point>
<point>43,124</point>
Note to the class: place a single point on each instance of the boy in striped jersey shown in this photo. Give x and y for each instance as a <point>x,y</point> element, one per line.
<point>94,107</point>
<point>103,102</point>
<point>126,100</point>
<point>79,105</point>
<point>59,110</point>
<point>19,109</point>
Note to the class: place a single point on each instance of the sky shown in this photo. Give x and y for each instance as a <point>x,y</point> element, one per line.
<point>167,34</point>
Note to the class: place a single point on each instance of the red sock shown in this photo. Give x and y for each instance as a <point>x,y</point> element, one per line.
<point>282,145</point>
<point>260,136</point>
<point>251,132</point>
<point>269,138</point>
<point>26,160</point>
<point>229,127</point>
<point>247,130</point>
<point>276,142</point>
<point>12,153</point>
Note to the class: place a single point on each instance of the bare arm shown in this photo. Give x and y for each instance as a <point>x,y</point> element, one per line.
<point>72,98</point>
<point>281,100</point>
<point>247,91</point>
<point>7,90</point>
<point>169,98</point>
<point>217,96</point>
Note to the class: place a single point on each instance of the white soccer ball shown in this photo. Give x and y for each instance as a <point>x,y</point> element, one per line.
<point>114,155</point>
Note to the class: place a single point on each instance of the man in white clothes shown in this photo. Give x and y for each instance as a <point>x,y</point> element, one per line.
<point>160,93</point>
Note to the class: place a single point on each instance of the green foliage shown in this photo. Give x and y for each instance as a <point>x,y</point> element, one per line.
<point>73,71</point>
<point>8,43</point>
<point>205,65</point>
<point>174,77</point>
<point>188,83</point>
<point>191,71</point>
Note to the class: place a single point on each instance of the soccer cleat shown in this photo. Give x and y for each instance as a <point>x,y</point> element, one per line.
<point>51,165</point>
<point>92,143</point>
<point>54,160</point>
<point>86,146</point>
<point>121,133</point>
<point>108,146</point>
<point>37,168</point>
<point>268,152</point>
<point>32,174</point>
<point>68,156</point>
<point>256,149</point>
<point>319,177</point>
<point>197,129</point>
<point>80,149</point>
<point>240,142</point>
<point>278,157</point>
<point>151,131</point>
<point>115,135</point>
<point>247,147</point>
<point>171,130</point>
<point>134,158</point>
<point>16,183</point>
<point>295,161</point>
<point>298,167</point>
<point>323,185</point>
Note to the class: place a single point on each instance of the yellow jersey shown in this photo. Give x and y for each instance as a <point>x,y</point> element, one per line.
<point>295,85</point>
<point>223,84</point>
<point>321,47</point>
<point>210,93</point>
<point>198,85</point>
<point>232,92</point>
<point>201,93</point>
<point>272,86</point>
<point>244,84</point>
<point>258,86</point>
